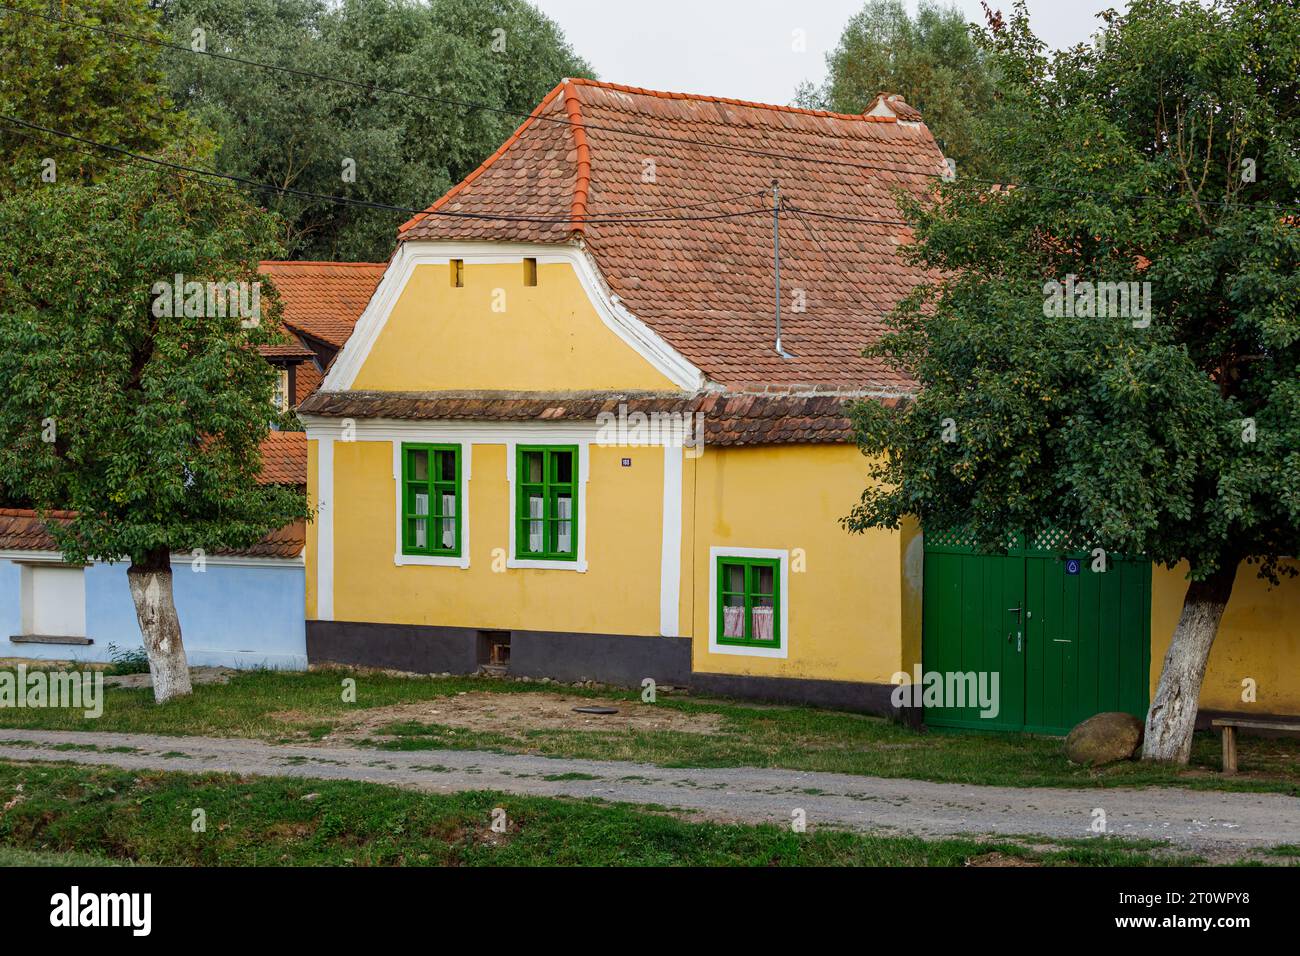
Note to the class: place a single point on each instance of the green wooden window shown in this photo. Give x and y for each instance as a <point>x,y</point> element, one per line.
<point>749,602</point>
<point>546,507</point>
<point>431,512</point>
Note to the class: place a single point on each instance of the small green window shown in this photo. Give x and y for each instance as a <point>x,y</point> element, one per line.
<point>749,602</point>
<point>431,516</point>
<point>546,509</point>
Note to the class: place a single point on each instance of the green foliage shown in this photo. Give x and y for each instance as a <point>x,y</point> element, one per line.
<point>156,421</point>
<point>103,88</point>
<point>296,132</point>
<point>932,60</point>
<point>1137,439</point>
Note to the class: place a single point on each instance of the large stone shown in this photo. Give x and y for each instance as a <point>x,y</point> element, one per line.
<point>1103,739</point>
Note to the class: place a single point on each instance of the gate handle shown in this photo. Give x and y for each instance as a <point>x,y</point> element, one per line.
<point>1013,610</point>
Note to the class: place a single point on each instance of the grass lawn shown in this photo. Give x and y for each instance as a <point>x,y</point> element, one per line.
<point>797,738</point>
<point>10,856</point>
<point>118,816</point>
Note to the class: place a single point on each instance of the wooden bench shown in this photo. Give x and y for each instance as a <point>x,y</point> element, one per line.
<point>1228,727</point>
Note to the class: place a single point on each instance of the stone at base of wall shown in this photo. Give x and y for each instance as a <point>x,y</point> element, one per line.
<point>619,659</point>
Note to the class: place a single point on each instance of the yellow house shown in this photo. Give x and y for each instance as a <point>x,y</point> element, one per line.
<point>584,430</point>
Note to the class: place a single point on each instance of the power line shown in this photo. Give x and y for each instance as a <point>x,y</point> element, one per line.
<point>825,252</point>
<point>845,218</point>
<point>370,204</point>
<point>636,134</point>
<point>457,104</point>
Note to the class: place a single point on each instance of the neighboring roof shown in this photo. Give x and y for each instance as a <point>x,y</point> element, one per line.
<point>706,284</point>
<point>284,462</point>
<point>728,418</point>
<point>286,542</point>
<point>284,458</point>
<point>292,350</point>
<point>22,530</point>
<point>307,378</point>
<point>324,299</point>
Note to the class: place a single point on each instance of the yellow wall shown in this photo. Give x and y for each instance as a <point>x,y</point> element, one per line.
<point>846,610</point>
<point>1259,638</point>
<point>619,593</point>
<point>549,337</point>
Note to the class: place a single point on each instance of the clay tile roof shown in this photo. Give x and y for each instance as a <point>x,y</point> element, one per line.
<point>293,350</point>
<point>324,299</point>
<point>284,462</point>
<point>306,380</point>
<point>22,530</point>
<point>286,542</point>
<point>751,419</point>
<point>706,285</point>
<point>284,459</point>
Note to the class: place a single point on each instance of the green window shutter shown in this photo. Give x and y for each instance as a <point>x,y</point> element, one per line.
<point>546,503</point>
<point>432,518</point>
<point>749,602</point>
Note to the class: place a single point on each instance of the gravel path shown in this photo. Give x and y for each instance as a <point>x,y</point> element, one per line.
<point>1217,824</point>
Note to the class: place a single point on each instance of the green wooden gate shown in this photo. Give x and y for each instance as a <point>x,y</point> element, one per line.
<point>1066,641</point>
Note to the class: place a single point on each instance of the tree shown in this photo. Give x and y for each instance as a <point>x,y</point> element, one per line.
<point>1167,155</point>
<point>335,139</point>
<point>129,397</point>
<point>932,60</point>
<point>103,88</point>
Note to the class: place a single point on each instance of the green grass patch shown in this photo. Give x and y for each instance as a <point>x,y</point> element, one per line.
<point>9,856</point>
<point>118,815</point>
<point>572,775</point>
<point>311,706</point>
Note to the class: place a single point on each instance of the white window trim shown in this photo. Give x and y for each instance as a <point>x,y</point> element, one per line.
<point>783,556</point>
<point>584,473</point>
<point>27,600</point>
<point>433,560</point>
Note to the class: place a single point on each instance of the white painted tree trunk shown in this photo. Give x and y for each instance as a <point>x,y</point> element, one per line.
<point>1172,716</point>
<point>155,608</point>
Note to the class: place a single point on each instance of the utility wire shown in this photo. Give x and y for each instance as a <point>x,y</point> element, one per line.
<point>456,104</point>
<point>637,134</point>
<point>825,252</point>
<point>369,204</point>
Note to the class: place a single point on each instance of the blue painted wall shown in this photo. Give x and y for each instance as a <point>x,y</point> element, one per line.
<point>231,615</point>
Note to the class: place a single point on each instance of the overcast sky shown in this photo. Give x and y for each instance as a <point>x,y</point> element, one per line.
<point>743,48</point>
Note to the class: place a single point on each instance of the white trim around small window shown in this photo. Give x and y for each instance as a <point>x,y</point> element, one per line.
<point>783,558</point>
<point>52,600</point>
<point>584,471</point>
<point>432,560</point>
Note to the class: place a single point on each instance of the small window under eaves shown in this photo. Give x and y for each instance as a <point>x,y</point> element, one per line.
<point>458,273</point>
<point>530,271</point>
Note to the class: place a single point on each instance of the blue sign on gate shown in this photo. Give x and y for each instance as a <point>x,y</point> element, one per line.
<point>1072,566</point>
